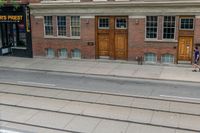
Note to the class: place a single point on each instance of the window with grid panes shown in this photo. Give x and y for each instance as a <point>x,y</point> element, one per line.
<point>121,23</point>
<point>169,27</point>
<point>167,58</point>
<point>103,23</point>
<point>187,23</point>
<point>75,25</point>
<point>48,24</point>
<point>150,57</point>
<point>61,25</point>
<point>151,26</point>
<point>63,53</point>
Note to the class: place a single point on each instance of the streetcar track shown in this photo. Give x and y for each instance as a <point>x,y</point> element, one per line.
<point>92,102</point>
<point>39,126</point>
<point>103,93</point>
<point>90,116</point>
<point>98,103</point>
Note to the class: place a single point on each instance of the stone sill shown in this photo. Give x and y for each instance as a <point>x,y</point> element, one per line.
<point>59,37</point>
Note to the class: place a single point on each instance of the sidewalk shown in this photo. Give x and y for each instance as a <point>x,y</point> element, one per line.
<point>109,68</point>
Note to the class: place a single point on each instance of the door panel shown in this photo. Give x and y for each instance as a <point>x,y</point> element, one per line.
<point>103,41</point>
<point>111,37</point>
<point>185,48</point>
<point>120,46</point>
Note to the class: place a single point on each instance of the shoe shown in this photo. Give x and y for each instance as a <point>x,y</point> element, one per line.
<point>194,70</point>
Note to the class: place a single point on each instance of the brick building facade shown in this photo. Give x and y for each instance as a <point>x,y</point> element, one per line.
<point>162,31</point>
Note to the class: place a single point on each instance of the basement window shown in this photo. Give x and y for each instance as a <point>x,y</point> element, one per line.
<point>63,53</point>
<point>167,58</point>
<point>50,53</point>
<point>150,57</point>
<point>76,53</point>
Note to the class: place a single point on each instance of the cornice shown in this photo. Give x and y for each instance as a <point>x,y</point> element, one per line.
<point>61,4</point>
<point>117,8</point>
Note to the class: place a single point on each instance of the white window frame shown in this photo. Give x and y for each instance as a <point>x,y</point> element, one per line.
<point>45,26</point>
<point>72,27</point>
<point>163,29</point>
<point>65,26</point>
<point>146,28</point>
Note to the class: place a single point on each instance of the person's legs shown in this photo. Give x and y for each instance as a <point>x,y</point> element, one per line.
<point>195,66</point>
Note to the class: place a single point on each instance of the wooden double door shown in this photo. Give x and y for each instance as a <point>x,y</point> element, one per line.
<point>185,48</point>
<point>112,37</point>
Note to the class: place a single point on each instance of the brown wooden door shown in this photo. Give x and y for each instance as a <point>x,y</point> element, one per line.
<point>121,36</point>
<point>103,36</point>
<point>185,48</point>
<point>120,45</point>
<point>103,41</point>
<point>111,39</point>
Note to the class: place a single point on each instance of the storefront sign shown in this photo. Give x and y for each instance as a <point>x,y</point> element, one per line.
<point>11,18</point>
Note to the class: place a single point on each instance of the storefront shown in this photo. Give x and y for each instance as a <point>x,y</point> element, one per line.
<point>15,31</point>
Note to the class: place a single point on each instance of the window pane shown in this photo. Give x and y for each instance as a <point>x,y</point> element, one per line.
<point>104,23</point>
<point>121,23</point>
<point>61,25</point>
<point>75,25</point>
<point>50,53</point>
<point>63,53</point>
<point>169,27</point>
<point>187,23</point>
<point>76,53</point>
<point>151,27</point>
<point>167,58</point>
<point>150,57</point>
<point>48,24</point>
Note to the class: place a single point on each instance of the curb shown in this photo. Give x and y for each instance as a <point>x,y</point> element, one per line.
<point>100,75</point>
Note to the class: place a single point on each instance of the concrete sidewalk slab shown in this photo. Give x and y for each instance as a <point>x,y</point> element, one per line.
<point>107,126</point>
<point>139,115</point>
<point>116,100</point>
<point>50,119</point>
<point>16,114</point>
<point>43,103</point>
<point>83,124</point>
<point>110,68</point>
<point>137,128</point>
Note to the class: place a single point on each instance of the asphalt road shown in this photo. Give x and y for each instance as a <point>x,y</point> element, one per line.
<point>133,86</point>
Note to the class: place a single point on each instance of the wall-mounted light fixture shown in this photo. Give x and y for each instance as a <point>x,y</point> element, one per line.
<point>87,21</point>
<point>136,21</point>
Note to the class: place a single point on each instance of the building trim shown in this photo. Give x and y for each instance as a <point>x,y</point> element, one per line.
<point>87,17</point>
<point>95,9</point>
<point>137,17</point>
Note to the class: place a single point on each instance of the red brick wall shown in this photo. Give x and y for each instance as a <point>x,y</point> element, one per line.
<point>136,33</point>
<point>138,46</point>
<point>40,43</point>
<point>197,31</point>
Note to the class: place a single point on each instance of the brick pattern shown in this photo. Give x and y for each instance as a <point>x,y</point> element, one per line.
<point>40,43</point>
<point>137,45</point>
<point>197,31</point>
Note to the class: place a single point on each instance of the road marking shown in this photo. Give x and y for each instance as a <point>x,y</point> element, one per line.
<point>178,97</point>
<point>8,131</point>
<point>35,83</point>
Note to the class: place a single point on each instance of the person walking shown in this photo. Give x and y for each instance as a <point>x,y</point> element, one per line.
<point>196,60</point>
